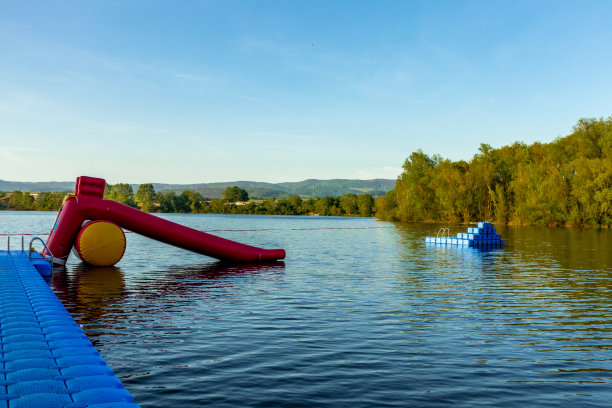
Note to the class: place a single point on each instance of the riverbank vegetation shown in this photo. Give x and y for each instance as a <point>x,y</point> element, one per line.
<point>235,201</point>
<point>20,201</point>
<point>565,183</point>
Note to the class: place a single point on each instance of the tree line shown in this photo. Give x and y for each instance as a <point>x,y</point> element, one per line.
<point>235,201</point>
<point>567,182</point>
<point>18,200</point>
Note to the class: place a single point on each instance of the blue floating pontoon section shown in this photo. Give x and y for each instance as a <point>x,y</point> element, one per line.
<point>483,236</point>
<point>46,359</point>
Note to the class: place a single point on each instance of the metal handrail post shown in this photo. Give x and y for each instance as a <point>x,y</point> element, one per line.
<point>45,245</point>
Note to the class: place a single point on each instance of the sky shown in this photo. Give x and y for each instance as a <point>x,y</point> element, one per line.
<point>275,91</point>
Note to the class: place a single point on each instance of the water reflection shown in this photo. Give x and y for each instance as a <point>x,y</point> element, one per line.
<point>200,280</point>
<point>570,262</point>
<point>220,270</point>
<point>91,293</point>
<point>535,312</point>
<point>359,318</point>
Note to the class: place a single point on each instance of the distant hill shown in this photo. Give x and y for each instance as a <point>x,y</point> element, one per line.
<point>215,190</point>
<point>307,188</point>
<point>37,187</point>
<point>338,187</point>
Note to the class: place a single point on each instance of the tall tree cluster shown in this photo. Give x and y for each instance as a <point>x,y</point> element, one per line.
<point>566,182</point>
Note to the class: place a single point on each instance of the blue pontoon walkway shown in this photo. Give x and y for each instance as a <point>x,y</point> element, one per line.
<point>46,359</point>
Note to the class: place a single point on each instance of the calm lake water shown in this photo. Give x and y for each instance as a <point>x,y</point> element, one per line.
<point>361,314</point>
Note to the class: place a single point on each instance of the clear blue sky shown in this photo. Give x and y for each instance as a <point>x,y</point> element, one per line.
<point>203,91</point>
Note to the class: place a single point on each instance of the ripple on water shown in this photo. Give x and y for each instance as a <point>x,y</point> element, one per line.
<point>353,317</point>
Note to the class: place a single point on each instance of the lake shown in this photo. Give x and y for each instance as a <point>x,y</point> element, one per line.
<point>360,314</point>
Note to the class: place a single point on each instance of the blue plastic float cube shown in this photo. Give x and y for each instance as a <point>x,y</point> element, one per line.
<point>483,236</point>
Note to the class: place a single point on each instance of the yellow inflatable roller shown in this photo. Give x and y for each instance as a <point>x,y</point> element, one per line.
<point>100,243</point>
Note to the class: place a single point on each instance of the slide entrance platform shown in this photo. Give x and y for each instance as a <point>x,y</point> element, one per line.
<point>46,359</point>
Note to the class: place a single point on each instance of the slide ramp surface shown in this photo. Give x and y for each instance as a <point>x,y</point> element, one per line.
<point>88,204</point>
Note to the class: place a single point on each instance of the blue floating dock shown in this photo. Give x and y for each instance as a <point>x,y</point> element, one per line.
<point>46,359</point>
<point>483,236</point>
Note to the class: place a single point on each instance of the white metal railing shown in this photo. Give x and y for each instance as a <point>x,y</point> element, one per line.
<point>443,233</point>
<point>8,239</point>
<point>50,258</point>
<point>30,248</point>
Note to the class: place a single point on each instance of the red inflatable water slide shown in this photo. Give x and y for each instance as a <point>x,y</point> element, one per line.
<point>87,204</point>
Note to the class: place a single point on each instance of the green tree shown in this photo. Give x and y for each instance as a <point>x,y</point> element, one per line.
<point>107,190</point>
<point>194,201</point>
<point>385,207</point>
<point>307,206</point>
<point>122,193</point>
<point>348,203</point>
<point>181,203</point>
<point>145,196</point>
<point>269,206</point>
<point>566,182</point>
<point>49,201</point>
<point>166,201</point>
<point>416,199</point>
<point>21,201</point>
<point>323,206</point>
<point>234,194</point>
<point>217,206</point>
<point>284,207</point>
<point>365,204</point>
<point>295,203</point>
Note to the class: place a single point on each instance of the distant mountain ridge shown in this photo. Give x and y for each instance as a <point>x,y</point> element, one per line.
<point>37,187</point>
<point>256,189</point>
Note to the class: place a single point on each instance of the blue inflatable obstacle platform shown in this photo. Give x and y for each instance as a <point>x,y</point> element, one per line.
<point>484,236</point>
<point>46,359</point>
